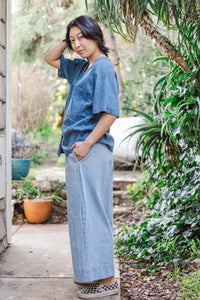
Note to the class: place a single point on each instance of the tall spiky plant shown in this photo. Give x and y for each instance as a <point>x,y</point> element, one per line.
<point>125,16</point>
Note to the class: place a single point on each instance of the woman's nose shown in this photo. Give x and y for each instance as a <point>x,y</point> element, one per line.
<point>77,44</point>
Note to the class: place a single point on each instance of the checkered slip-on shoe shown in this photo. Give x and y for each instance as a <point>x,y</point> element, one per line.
<point>97,290</point>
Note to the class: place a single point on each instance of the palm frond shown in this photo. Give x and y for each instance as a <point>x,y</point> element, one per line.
<point>143,114</point>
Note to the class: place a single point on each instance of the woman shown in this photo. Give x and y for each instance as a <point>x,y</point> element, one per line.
<point>92,106</point>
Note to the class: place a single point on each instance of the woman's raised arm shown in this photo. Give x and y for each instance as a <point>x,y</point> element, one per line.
<point>53,56</point>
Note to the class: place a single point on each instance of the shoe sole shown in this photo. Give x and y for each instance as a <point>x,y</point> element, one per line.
<point>85,283</point>
<point>104,294</point>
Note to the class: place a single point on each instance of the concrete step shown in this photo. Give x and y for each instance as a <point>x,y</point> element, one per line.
<point>121,183</point>
<point>122,210</point>
<point>119,197</point>
<point>51,183</point>
<point>124,178</point>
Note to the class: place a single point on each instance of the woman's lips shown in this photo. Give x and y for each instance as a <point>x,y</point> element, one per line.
<point>80,52</point>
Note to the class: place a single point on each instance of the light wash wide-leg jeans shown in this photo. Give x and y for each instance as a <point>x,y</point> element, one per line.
<point>89,185</point>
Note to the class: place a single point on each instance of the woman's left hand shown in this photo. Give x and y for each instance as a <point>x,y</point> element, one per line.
<point>81,149</point>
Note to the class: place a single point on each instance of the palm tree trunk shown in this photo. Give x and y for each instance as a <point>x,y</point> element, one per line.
<point>147,24</point>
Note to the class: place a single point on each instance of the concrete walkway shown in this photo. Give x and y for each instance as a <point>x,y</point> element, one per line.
<point>37,265</point>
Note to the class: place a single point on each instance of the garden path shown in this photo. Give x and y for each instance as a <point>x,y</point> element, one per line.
<point>37,265</point>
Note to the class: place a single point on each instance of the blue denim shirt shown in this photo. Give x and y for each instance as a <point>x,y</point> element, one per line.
<point>92,92</point>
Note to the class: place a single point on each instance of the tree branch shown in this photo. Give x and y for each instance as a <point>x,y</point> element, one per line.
<point>147,24</point>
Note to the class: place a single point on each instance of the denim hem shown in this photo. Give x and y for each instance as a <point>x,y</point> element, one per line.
<point>94,273</point>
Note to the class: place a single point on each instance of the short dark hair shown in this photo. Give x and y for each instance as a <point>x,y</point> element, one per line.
<point>90,30</point>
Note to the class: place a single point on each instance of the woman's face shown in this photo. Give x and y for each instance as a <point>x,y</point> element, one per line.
<point>86,48</point>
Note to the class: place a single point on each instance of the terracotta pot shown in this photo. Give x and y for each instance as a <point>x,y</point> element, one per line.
<point>37,210</point>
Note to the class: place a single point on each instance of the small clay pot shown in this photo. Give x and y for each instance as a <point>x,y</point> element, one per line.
<point>37,210</point>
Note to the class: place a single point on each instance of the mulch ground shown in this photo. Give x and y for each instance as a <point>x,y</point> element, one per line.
<point>136,284</point>
<point>58,216</point>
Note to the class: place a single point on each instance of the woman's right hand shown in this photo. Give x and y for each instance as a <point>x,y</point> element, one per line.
<point>81,149</point>
<point>53,56</point>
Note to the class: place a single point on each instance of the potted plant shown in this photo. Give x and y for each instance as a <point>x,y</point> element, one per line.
<point>21,155</point>
<point>36,203</point>
<point>38,210</point>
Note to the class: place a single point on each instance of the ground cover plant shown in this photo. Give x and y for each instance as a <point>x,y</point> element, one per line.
<point>172,223</point>
<point>190,285</point>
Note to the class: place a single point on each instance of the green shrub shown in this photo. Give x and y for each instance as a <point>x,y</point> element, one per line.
<point>173,221</point>
<point>47,140</point>
<point>138,190</point>
<point>170,145</point>
<point>40,156</point>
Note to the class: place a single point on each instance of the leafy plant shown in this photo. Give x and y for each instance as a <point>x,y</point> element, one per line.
<point>45,138</point>
<point>31,191</point>
<point>125,17</point>
<point>173,220</point>
<point>140,73</point>
<point>137,191</point>
<point>27,191</point>
<point>152,140</point>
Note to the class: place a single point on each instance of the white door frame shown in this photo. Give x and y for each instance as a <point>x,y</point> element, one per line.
<point>8,196</point>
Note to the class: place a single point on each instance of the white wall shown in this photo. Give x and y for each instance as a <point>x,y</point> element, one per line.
<point>5,124</point>
<point>120,129</point>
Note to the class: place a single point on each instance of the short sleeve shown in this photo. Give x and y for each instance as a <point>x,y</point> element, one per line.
<point>106,90</point>
<point>67,68</point>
